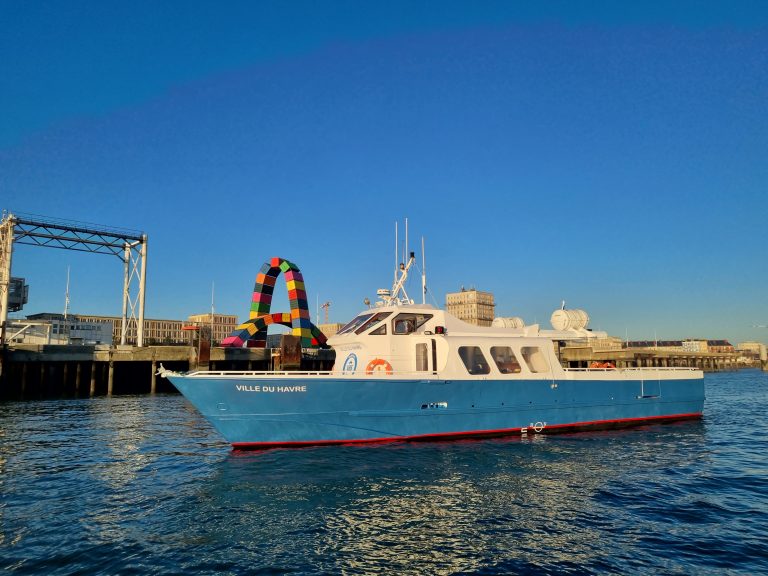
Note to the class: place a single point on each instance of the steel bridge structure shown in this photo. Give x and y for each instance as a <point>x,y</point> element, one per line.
<point>129,246</point>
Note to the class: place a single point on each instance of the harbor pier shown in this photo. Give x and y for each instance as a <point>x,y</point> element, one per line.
<point>76,370</point>
<point>583,356</point>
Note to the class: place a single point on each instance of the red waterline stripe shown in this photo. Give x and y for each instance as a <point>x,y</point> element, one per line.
<point>455,435</point>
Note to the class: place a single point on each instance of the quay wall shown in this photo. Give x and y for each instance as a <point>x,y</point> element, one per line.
<point>582,356</point>
<point>54,371</point>
<point>35,371</point>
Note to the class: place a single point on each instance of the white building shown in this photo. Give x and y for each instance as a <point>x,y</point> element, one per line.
<point>47,328</point>
<point>695,346</point>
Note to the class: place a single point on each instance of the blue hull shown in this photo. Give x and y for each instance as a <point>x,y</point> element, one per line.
<point>252,412</point>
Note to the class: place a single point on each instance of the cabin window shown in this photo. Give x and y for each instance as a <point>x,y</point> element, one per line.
<point>407,323</point>
<point>505,359</point>
<point>422,362</point>
<point>404,326</point>
<point>380,330</point>
<point>535,359</point>
<point>375,319</point>
<point>473,359</point>
<point>355,323</point>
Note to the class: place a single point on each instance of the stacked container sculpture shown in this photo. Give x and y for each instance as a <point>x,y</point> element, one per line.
<point>253,332</point>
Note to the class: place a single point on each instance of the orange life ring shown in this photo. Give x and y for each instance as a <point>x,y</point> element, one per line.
<point>379,365</point>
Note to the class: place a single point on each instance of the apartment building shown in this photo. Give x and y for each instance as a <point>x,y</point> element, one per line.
<point>471,306</point>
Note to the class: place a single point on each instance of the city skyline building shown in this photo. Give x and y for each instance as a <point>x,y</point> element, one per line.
<point>102,329</point>
<point>472,306</point>
<point>156,331</point>
<point>222,325</point>
<point>54,328</point>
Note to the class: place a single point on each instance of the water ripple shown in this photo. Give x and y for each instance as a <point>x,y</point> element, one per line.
<point>136,485</point>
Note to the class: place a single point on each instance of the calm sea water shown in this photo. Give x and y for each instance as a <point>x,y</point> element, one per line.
<point>142,484</point>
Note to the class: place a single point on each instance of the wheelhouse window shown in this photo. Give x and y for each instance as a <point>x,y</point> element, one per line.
<point>375,319</point>
<point>505,359</point>
<point>534,359</point>
<point>409,322</point>
<point>356,322</point>
<point>473,359</point>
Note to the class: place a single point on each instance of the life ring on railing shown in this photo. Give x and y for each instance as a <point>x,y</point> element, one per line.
<point>379,365</point>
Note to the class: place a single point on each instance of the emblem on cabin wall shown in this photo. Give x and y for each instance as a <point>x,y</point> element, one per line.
<point>350,364</point>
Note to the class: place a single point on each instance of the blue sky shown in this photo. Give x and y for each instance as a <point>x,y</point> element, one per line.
<point>609,154</point>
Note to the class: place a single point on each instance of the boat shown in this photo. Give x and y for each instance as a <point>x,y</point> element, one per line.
<point>409,372</point>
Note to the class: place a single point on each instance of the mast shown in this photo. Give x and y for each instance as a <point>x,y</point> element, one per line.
<point>399,286</point>
<point>398,294</point>
<point>423,273</point>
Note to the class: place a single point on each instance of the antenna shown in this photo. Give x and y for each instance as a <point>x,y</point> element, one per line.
<point>396,247</point>
<point>423,273</point>
<point>213,311</point>
<point>406,239</point>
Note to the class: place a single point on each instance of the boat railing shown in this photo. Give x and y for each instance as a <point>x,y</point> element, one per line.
<point>419,375</point>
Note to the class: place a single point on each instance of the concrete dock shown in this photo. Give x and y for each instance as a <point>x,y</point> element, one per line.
<point>583,356</point>
<point>60,370</point>
<point>29,371</point>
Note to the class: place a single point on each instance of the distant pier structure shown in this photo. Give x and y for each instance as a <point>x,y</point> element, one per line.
<point>40,370</point>
<point>129,246</point>
<point>34,371</point>
<point>586,354</point>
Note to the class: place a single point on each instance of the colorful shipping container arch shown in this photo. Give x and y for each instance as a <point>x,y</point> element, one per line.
<point>253,332</point>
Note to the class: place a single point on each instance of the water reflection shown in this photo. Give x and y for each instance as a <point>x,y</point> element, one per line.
<point>87,469</point>
<point>144,485</point>
<point>130,472</point>
<point>438,508</point>
<point>122,426</point>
